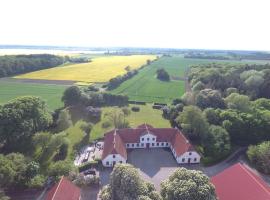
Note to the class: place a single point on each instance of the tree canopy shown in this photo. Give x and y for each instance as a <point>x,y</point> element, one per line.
<point>125,183</point>
<point>186,184</point>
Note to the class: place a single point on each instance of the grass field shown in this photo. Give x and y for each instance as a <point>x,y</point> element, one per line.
<point>50,93</point>
<point>146,87</point>
<point>101,69</point>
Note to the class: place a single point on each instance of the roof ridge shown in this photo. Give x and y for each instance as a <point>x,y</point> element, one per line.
<point>57,187</point>
<point>252,176</point>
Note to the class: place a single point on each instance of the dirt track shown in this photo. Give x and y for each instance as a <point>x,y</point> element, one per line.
<point>39,81</point>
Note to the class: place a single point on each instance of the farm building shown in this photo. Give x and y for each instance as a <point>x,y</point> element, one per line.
<point>117,142</point>
<point>240,182</point>
<point>64,190</point>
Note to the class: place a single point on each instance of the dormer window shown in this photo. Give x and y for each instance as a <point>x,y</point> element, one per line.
<point>153,139</point>
<point>148,139</point>
<point>142,139</point>
<point>113,156</point>
<point>190,153</point>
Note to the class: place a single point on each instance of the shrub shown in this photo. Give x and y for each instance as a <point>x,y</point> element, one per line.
<point>106,124</point>
<point>163,75</point>
<point>135,109</point>
<point>126,111</point>
<point>37,182</point>
<point>88,165</point>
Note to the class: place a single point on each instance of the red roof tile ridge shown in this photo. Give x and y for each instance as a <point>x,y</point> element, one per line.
<point>252,176</point>
<point>57,187</point>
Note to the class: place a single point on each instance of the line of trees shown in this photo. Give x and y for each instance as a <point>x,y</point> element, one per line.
<point>115,82</point>
<point>18,64</point>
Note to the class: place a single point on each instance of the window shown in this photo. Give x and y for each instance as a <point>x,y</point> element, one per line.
<point>132,145</point>
<point>142,144</point>
<point>157,144</point>
<point>162,144</point>
<point>138,144</point>
<point>183,159</point>
<point>127,145</point>
<point>153,139</point>
<point>120,161</point>
<point>167,143</point>
<point>153,144</point>
<point>142,139</point>
<point>195,159</point>
<point>190,153</point>
<point>147,139</point>
<point>107,163</point>
<point>113,156</point>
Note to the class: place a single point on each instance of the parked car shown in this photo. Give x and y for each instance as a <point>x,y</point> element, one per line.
<point>90,172</point>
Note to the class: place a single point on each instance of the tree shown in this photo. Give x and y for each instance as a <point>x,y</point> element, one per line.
<point>20,119</point>
<point>212,115</point>
<point>163,75</point>
<point>71,96</point>
<point>186,184</point>
<point>117,118</point>
<point>64,120</point>
<point>193,122</point>
<point>217,143</point>
<point>238,101</point>
<point>60,168</point>
<point>198,86</point>
<point>209,98</point>
<point>259,155</point>
<point>86,127</point>
<point>126,184</point>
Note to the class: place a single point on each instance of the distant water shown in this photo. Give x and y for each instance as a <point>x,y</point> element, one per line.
<point>17,51</point>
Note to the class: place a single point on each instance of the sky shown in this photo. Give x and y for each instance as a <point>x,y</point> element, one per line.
<point>202,24</point>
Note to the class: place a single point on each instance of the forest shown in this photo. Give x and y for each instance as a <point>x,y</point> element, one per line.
<point>19,64</point>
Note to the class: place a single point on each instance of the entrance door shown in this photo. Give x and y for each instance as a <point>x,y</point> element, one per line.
<point>147,145</point>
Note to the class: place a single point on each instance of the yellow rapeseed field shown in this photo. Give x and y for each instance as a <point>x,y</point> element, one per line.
<point>101,69</point>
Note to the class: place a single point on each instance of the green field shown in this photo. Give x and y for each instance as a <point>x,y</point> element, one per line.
<point>52,94</point>
<point>146,87</point>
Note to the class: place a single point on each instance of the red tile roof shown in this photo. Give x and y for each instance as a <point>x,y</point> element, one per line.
<point>240,183</point>
<point>132,135</point>
<point>64,190</point>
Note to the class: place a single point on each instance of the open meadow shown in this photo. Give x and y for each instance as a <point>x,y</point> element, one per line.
<point>100,69</point>
<point>51,94</point>
<point>146,87</point>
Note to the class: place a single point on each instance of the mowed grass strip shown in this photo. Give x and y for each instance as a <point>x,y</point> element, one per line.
<point>101,69</point>
<point>51,94</point>
<point>146,87</point>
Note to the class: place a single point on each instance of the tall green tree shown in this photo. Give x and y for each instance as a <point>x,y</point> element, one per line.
<point>186,184</point>
<point>125,183</point>
<point>63,121</point>
<point>21,118</point>
<point>72,96</point>
<point>193,122</point>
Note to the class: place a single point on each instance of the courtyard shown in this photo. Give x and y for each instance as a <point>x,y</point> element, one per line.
<point>154,165</point>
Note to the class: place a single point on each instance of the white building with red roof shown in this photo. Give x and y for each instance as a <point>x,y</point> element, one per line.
<point>117,142</point>
<point>239,182</point>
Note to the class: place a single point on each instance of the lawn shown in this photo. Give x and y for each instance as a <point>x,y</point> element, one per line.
<point>100,69</point>
<point>50,93</point>
<point>146,87</point>
<point>145,115</point>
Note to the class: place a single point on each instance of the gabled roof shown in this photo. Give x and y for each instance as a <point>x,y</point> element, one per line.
<point>113,144</point>
<point>64,190</point>
<point>115,140</point>
<point>239,182</point>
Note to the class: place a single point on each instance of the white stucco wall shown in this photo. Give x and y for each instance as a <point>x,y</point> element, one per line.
<point>192,155</point>
<point>118,158</point>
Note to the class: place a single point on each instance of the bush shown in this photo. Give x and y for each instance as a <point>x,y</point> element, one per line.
<point>135,109</point>
<point>88,165</point>
<point>37,182</point>
<point>106,124</point>
<point>163,75</point>
<point>126,111</point>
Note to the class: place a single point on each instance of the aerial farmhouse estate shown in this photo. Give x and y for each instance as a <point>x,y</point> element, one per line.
<point>117,142</point>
